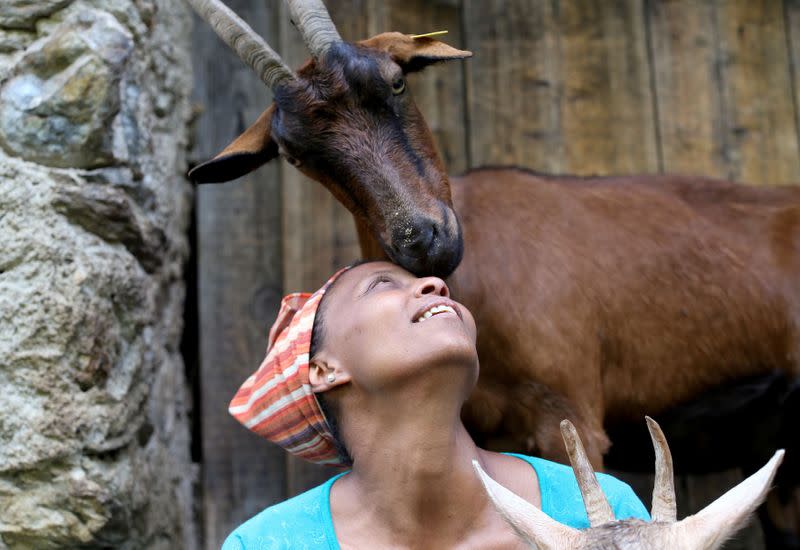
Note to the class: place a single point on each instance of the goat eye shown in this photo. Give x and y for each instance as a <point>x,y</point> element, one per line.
<point>399,86</point>
<point>291,160</point>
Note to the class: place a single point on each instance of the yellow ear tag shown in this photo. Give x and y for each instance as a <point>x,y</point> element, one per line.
<point>428,34</point>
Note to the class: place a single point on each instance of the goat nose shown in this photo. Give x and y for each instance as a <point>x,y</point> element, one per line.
<point>415,240</point>
<point>432,285</point>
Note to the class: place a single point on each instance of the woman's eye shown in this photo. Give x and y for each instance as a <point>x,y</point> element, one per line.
<point>378,281</point>
<point>399,86</point>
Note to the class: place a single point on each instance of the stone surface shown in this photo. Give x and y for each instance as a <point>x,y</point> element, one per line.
<point>12,40</point>
<point>94,206</point>
<point>58,107</point>
<point>23,14</point>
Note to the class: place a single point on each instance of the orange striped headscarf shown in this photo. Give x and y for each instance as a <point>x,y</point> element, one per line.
<point>276,402</point>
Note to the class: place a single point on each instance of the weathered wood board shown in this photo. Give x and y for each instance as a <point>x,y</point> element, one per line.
<point>724,90</point>
<point>240,283</point>
<point>561,87</point>
<point>513,84</point>
<point>606,107</point>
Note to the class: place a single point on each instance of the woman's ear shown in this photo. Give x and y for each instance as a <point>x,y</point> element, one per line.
<point>325,375</point>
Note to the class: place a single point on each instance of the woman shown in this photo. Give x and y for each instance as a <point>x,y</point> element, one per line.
<point>391,359</point>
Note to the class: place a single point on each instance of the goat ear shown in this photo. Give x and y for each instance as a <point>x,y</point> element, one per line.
<point>247,152</point>
<point>718,521</point>
<point>414,54</point>
<point>532,525</point>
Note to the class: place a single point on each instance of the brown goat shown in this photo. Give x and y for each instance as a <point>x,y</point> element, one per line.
<point>709,529</point>
<point>596,298</point>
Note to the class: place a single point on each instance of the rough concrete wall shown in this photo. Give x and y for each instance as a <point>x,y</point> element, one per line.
<point>94,427</point>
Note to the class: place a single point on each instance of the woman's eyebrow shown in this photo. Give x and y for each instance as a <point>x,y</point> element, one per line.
<point>383,272</point>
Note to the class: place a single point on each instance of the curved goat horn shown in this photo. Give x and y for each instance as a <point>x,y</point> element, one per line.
<point>314,23</point>
<point>718,521</point>
<point>244,41</point>
<point>597,507</point>
<point>534,526</point>
<point>664,505</point>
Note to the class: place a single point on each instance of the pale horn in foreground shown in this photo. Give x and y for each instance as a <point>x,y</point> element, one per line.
<point>706,530</point>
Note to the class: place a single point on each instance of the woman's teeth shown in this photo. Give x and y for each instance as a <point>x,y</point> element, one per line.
<point>433,311</point>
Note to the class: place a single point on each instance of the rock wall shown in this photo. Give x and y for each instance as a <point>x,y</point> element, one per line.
<point>94,407</point>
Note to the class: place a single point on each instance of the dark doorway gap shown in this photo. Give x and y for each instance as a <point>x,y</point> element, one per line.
<point>190,341</point>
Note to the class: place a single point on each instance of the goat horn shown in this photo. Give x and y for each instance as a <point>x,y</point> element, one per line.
<point>531,524</point>
<point>597,507</point>
<point>244,41</point>
<point>718,521</point>
<point>664,504</point>
<point>314,23</point>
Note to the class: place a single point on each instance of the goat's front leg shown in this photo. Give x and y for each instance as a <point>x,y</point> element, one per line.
<point>526,418</point>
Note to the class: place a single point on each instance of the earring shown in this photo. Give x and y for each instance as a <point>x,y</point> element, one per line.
<point>331,378</point>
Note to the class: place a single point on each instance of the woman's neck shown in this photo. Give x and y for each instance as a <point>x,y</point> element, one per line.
<point>413,464</point>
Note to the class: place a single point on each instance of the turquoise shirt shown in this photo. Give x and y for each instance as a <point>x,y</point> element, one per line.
<point>304,522</point>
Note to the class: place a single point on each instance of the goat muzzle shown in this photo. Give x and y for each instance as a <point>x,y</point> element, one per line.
<point>427,247</point>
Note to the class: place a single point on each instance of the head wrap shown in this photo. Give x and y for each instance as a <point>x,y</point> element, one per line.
<point>276,401</point>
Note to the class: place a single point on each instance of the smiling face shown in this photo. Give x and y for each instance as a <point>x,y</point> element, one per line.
<point>383,326</point>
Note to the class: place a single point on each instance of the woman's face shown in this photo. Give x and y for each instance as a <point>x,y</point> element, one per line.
<point>382,324</point>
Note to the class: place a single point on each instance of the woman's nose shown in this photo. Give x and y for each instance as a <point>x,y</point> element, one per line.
<point>432,285</point>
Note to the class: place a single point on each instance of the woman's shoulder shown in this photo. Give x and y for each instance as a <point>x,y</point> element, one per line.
<point>299,522</point>
<point>561,497</point>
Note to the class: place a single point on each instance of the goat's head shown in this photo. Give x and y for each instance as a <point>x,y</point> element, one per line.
<point>347,120</point>
<point>706,530</point>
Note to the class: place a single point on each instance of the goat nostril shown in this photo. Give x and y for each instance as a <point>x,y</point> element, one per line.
<point>417,240</point>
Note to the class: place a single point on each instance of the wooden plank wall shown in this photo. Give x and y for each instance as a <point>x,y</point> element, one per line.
<point>563,86</point>
<point>239,282</point>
